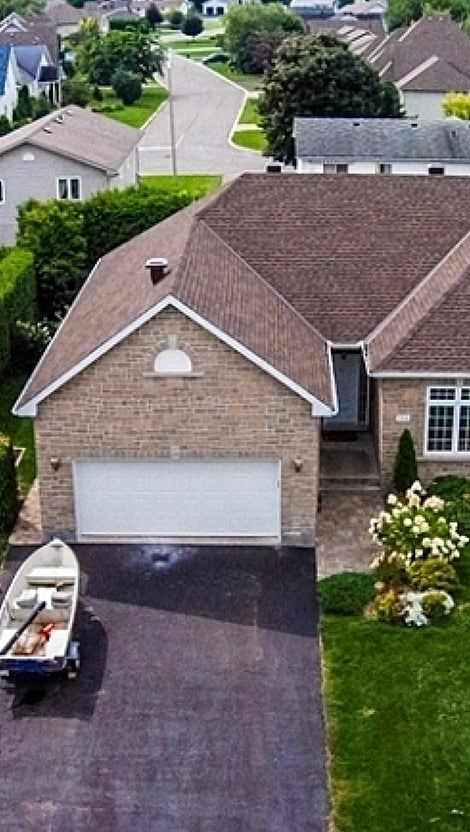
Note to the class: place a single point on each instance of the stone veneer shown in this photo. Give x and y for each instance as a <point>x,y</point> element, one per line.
<point>228,408</point>
<point>408,396</point>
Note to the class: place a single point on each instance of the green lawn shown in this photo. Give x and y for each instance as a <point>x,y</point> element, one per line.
<point>251,83</point>
<point>398,712</point>
<point>249,139</point>
<point>135,115</point>
<point>250,113</point>
<point>182,44</point>
<point>196,185</point>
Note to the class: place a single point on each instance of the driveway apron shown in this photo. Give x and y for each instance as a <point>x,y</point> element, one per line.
<point>197,708</point>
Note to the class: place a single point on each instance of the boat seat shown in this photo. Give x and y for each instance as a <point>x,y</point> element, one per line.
<point>61,600</point>
<point>27,600</point>
<point>50,575</point>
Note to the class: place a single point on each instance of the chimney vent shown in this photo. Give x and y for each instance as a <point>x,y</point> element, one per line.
<point>273,167</point>
<point>158,268</point>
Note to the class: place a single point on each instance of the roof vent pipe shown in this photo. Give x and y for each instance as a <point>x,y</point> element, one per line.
<point>158,268</point>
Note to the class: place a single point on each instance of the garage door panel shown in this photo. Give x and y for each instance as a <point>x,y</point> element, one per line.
<point>180,498</point>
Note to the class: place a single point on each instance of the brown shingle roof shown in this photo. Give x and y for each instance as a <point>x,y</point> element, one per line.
<point>78,134</point>
<point>273,261</point>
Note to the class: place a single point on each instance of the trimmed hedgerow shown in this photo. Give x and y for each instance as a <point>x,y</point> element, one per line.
<point>8,485</point>
<point>346,593</point>
<point>17,298</point>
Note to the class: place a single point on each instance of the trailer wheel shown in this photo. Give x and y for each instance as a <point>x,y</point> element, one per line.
<point>73,661</point>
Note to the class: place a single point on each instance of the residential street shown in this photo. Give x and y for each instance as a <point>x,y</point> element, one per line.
<point>205,109</point>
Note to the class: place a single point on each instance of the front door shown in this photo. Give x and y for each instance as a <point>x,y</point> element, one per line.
<point>352,390</point>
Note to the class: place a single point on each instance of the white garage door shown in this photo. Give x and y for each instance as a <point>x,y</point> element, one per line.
<point>177,498</point>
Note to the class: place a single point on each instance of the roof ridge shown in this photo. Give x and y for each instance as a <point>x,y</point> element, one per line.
<point>441,280</point>
<point>267,285</point>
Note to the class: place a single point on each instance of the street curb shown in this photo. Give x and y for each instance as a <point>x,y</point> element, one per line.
<point>144,126</point>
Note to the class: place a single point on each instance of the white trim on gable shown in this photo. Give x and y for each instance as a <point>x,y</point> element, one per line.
<point>30,407</point>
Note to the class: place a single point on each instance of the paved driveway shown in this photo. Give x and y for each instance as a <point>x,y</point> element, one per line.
<point>205,109</point>
<point>197,708</point>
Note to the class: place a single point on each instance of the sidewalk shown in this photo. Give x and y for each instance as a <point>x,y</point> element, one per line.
<point>343,541</point>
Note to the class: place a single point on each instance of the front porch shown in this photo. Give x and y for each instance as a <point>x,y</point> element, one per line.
<point>348,462</point>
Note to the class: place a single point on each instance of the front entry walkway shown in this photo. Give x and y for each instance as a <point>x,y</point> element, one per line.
<point>343,540</point>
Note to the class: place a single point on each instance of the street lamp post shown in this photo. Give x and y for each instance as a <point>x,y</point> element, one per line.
<point>172,116</point>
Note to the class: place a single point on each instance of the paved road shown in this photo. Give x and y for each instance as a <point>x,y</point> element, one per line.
<point>197,708</point>
<point>205,109</point>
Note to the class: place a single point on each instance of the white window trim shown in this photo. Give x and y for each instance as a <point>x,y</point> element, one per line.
<point>456,403</point>
<point>68,180</point>
<point>2,192</point>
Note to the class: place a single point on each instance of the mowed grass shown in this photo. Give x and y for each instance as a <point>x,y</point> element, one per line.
<point>181,44</point>
<point>135,115</point>
<point>398,713</point>
<point>250,114</point>
<point>249,139</point>
<point>196,185</point>
<point>251,83</point>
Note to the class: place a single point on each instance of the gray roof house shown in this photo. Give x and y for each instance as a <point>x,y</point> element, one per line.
<point>69,154</point>
<point>375,145</point>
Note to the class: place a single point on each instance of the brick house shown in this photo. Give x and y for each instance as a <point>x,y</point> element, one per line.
<point>207,362</point>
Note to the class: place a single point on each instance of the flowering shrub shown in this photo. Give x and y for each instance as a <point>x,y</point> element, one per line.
<point>415,609</point>
<point>415,528</point>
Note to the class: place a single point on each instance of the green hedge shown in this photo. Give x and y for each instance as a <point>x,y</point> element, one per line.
<point>8,486</point>
<point>17,298</point>
<point>121,24</point>
<point>113,217</point>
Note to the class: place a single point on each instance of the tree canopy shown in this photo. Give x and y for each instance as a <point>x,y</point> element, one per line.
<point>134,51</point>
<point>192,25</point>
<point>319,76</point>
<point>25,8</point>
<point>404,12</point>
<point>457,104</point>
<point>254,32</point>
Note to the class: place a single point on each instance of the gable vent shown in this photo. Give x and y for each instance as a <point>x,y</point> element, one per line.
<point>158,268</point>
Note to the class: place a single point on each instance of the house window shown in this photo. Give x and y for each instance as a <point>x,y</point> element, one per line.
<point>69,187</point>
<point>385,167</point>
<point>448,420</point>
<point>171,362</point>
<point>436,170</point>
<point>2,191</point>
<point>334,168</point>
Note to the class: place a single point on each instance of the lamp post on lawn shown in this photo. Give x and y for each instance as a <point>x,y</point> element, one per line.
<point>172,116</point>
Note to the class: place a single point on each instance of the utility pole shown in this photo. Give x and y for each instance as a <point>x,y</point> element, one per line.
<point>172,116</point>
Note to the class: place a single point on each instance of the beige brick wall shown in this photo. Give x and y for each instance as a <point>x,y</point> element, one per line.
<point>229,408</point>
<point>408,396</point>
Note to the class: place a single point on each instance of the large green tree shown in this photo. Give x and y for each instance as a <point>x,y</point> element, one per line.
<point>254,32</point>
<point>404,12</point>
<point>25,8</point>
<point>134,51</point>
<point>319,76</point>
<point>192,25</point>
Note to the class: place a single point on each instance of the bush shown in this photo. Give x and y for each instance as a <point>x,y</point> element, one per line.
<point>8,486</point>
<point>140,24</point>
<point>5,126</point>
<point>456,493</point>
<point>127,86</point>
<point>390,570</point>
<point>436,604</point>
<point>107,107</point>
<point>76,90</point>
<point>433,573</point>
<point>17,298</point>
<point>346,593</point>
<point>405,469</point>
<point>29,340</point>
<point>175,18</point>
<point>387,607</point>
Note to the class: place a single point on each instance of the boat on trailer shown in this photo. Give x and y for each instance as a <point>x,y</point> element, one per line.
<point>38,612</point>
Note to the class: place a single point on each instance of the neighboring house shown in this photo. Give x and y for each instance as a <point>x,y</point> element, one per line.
<point>8,80</point>
<point>65,17</point>
<point>308,9</point>
<point>216,8</point>
<point>360,35</point>
<point>33,56</point>
<point>68,154</point>
<point>190,389</point>
<point>425,61</point>
<point>36,71</point>
<point>376,145</point>
<point>19,31</point>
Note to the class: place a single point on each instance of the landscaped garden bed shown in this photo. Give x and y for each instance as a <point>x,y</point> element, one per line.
<point>396,690</point>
